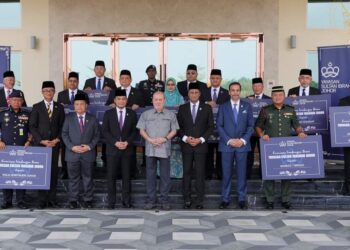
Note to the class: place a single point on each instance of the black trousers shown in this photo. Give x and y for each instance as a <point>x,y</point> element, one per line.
<point>8,195</point>
<point>254,142</point>
<point>198,161</point>
<point>115,163</point>
<point>213,165</point>
<point>50,195</point>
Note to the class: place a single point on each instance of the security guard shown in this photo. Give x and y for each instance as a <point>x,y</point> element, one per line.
<point>151,85</point>
<point>14,132</point>
<point>277,120</point>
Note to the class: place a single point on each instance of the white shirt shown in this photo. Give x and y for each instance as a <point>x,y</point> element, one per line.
<point>6,92</point>
<point>237,108</point>
<point>47,104</point>
<point>127,90</point>
<point>75,91</point>
<point>123,115</point>
<point>184,138</point>
<point>102,81</point>
<point>217,92</point>
<point>83,115</point>
<point>307,91</point>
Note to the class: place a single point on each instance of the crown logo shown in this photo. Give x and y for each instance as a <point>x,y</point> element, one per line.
<point>282,144</point>
<point>330,71</point>
<point>13,153</point>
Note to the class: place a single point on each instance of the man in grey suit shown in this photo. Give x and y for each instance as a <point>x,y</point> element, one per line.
<point>80,134</point>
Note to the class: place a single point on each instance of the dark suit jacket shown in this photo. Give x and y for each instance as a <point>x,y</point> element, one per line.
<point>203,126</point>
<point>223,96</point>
<point>295,91</point>
<point>135,97</point>
<point>263,96</point>
<point>182,87</point>
<point>41,127</point>
<point>111,131</point>
<point>91,82</point>
<point>72,136</point>
<point>3,101</point>
<point>228,130</point>
<point>64,96</point>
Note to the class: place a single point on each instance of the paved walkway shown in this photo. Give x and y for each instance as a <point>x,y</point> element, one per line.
<point>125,229</point>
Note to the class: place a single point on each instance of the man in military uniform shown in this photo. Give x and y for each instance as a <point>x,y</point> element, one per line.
<point>276,120</point>
<point>14,132</point>
<point>151,85</point>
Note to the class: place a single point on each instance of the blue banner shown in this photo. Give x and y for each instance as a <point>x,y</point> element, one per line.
<point>340,126</point>
<point>334,79</point>
<point>98,97</point>
<point>312,111</point>
<point>28,168</point>
<point>5,55</point>
<point>291,158</point>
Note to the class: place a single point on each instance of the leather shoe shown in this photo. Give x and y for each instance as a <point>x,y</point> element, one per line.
<point>345,190</point>
<point>224,205</point>
<point>199,206</point>
<point>73,205</point>
<point>22,205</point>
<point>149,206</point>
<point>127,205</point>
<point>269,205</point>
<point>166,206</point>
<point>110,206</point>
<point>6,205</point>
<point>242,205</point>
<point>88,204</point>
<point>286,205</point>
<point>53,204</point>
<point>187,205</point>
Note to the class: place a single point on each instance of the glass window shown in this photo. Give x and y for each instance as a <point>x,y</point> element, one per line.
<point>136,55</point>
<point>312,63</point>
<point>84,53</point>
<point>328,15</point>
<point>237,61</point>
<point>180,53</point>
<point>10,14</point>
<point>16,67</point>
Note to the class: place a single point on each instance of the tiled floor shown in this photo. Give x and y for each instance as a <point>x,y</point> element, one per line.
<point>98,229</point>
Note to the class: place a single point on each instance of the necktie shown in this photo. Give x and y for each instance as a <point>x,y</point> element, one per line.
<point>303,94</point>
<point>121,120</point>
<point>81,124</point>
<point>72,98</point>
<point>235,113</point>
<point>8,97</point>
<point>99,84</point>
<point>257,97</point>
<point>49,111</point>
<point>215,96</point>
<point>194,113</point>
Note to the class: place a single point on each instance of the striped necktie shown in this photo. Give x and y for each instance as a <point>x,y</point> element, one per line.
<point>49,111</point>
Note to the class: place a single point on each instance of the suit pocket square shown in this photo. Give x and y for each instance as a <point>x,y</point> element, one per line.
<point>244,111</point>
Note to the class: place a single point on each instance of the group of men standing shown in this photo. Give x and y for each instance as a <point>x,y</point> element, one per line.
<point>47,126</point>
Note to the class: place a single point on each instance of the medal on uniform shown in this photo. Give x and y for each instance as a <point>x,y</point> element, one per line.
<point>21,133</point>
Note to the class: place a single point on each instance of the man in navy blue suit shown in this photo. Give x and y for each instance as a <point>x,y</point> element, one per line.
<point>235,125</point>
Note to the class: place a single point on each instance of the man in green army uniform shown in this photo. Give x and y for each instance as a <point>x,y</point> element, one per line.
<point>277,120</point>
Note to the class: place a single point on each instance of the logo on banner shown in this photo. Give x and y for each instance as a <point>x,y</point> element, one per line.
<point>330,71</point>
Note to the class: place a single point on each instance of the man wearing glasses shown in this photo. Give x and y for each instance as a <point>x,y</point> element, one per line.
<point>305,79</point>
<point>191,77</point>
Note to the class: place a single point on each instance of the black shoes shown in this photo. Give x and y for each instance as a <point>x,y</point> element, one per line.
<point>242,205</point>
<point>73,205</point>
<point>127,205</point>
<point>110,206</point>
<point>22,205</point>
<point>7,205</point>
<point>52,204</point>
<point>345,189</point>
<point>224,205</point>
<point>269,205</point>
<point>286,205</point>
<point>187,205</point>
<point>199,206</point>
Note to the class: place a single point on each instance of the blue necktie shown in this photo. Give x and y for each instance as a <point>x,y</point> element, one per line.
<point>303,94</point>
<point>215,95</point>
<point>235,113</point>
<point>99,84</point>
<point>72,98</point>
